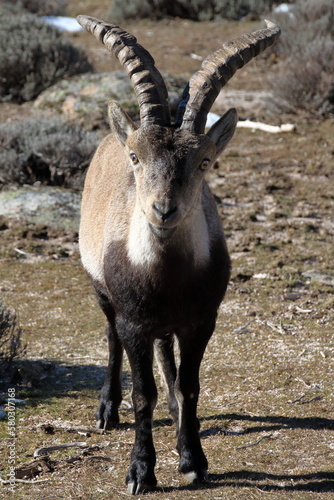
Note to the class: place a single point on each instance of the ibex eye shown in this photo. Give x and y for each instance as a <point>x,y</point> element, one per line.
<point>134,158</point>
<point>205,163</point>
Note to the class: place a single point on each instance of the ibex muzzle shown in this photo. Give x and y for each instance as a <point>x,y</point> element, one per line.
<point>151,240</point>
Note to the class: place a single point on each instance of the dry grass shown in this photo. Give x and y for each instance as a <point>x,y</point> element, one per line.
<point>266,406</point>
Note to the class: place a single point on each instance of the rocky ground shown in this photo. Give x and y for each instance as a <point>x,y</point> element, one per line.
<point>266,406</point>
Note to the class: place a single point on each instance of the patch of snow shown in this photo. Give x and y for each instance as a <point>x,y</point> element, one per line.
<point>283,8</point>
<point>287,127</point>
<point>69,24</point>
<point>211,119</point>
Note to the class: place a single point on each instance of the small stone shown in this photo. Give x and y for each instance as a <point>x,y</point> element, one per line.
<point>292,296</point>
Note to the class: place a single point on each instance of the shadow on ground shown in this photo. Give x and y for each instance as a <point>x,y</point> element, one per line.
<point>318,482</point>
<point>44,379</point>
<point>275,423</point>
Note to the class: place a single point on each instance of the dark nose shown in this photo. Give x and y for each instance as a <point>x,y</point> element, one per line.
<point>164,210</point>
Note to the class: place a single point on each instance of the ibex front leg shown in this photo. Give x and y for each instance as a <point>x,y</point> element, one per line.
<point>111,393</point>
<point>193,462</point>
<point>141,475</point>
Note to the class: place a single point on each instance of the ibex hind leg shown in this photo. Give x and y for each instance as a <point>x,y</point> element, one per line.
<point>164,356</point>
<point>110,396</point>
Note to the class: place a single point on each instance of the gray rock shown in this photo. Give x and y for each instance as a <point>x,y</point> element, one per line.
<point>84,98</point>
<point>321,277</point>
<point>53,206</point>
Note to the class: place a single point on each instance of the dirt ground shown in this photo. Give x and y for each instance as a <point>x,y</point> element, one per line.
<point>266,406</point>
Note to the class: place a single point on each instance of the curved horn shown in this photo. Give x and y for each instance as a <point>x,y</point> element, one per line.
<point>148,84</point>
<point>205,85</point>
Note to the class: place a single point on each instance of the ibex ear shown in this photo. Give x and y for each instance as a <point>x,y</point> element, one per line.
<point>222,131</point>
<point>120,123</point>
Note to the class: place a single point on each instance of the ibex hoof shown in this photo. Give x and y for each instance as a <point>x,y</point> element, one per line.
<point>135,488</point>
<point>140,478</point>
<point>197,477</point>
<point>106,425</point>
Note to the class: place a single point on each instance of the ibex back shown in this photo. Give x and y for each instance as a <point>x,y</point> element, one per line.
<point>152,242</point>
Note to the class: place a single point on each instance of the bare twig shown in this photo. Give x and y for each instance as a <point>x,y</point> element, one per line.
<point>255,443</point>
<point>305,311</point>
<point>316,398</point>
<point>243,329</point>
<point>100,457</point>
<point>21,252</point>
<point>25,481</point>
<point>297,399</point>
<point>79,428</point>
<point>300,399</point>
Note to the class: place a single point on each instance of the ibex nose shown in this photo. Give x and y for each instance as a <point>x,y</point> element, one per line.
<point>164,210</point>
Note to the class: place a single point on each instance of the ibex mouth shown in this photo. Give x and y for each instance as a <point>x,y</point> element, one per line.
<point>162,233</point>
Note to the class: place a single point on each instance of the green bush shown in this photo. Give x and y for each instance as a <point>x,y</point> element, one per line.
<point>33,56</point>
<point>10,337</point>
<point>304,80</point>
<point>197,10</point>
<point>49,151</point>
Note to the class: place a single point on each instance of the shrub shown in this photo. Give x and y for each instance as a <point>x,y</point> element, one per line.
<point>197,10</point>
<point>49,151</point>
<point>305,78</point>
<point>40,7</point>
<point>305,81</point>
<point>33,56</point>
<point>10,337</point>
<point>306,21</point>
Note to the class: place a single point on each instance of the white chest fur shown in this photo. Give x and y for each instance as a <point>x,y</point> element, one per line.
<point>191,238</point>
<point>141,247</point>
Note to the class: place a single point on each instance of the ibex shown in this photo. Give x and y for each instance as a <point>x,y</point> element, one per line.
<point>152,243</point>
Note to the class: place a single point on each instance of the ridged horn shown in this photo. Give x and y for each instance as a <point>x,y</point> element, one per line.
<point>148,84</point>
<point>205,85</point>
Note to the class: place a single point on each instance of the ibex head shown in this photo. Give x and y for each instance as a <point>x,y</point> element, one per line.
<point>169,160</point>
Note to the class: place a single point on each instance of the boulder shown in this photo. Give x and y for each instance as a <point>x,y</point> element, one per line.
<point>84,98</point>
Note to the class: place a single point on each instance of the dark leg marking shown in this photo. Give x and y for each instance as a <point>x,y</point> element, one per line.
<point>140,476</point>
<point>111,393</point>
<point>193,462</point>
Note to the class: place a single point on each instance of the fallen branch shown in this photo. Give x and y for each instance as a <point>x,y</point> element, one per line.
<point>24,481</point>
<point>47,449</point>
<point>272,129</point>
<point>79,428</point>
